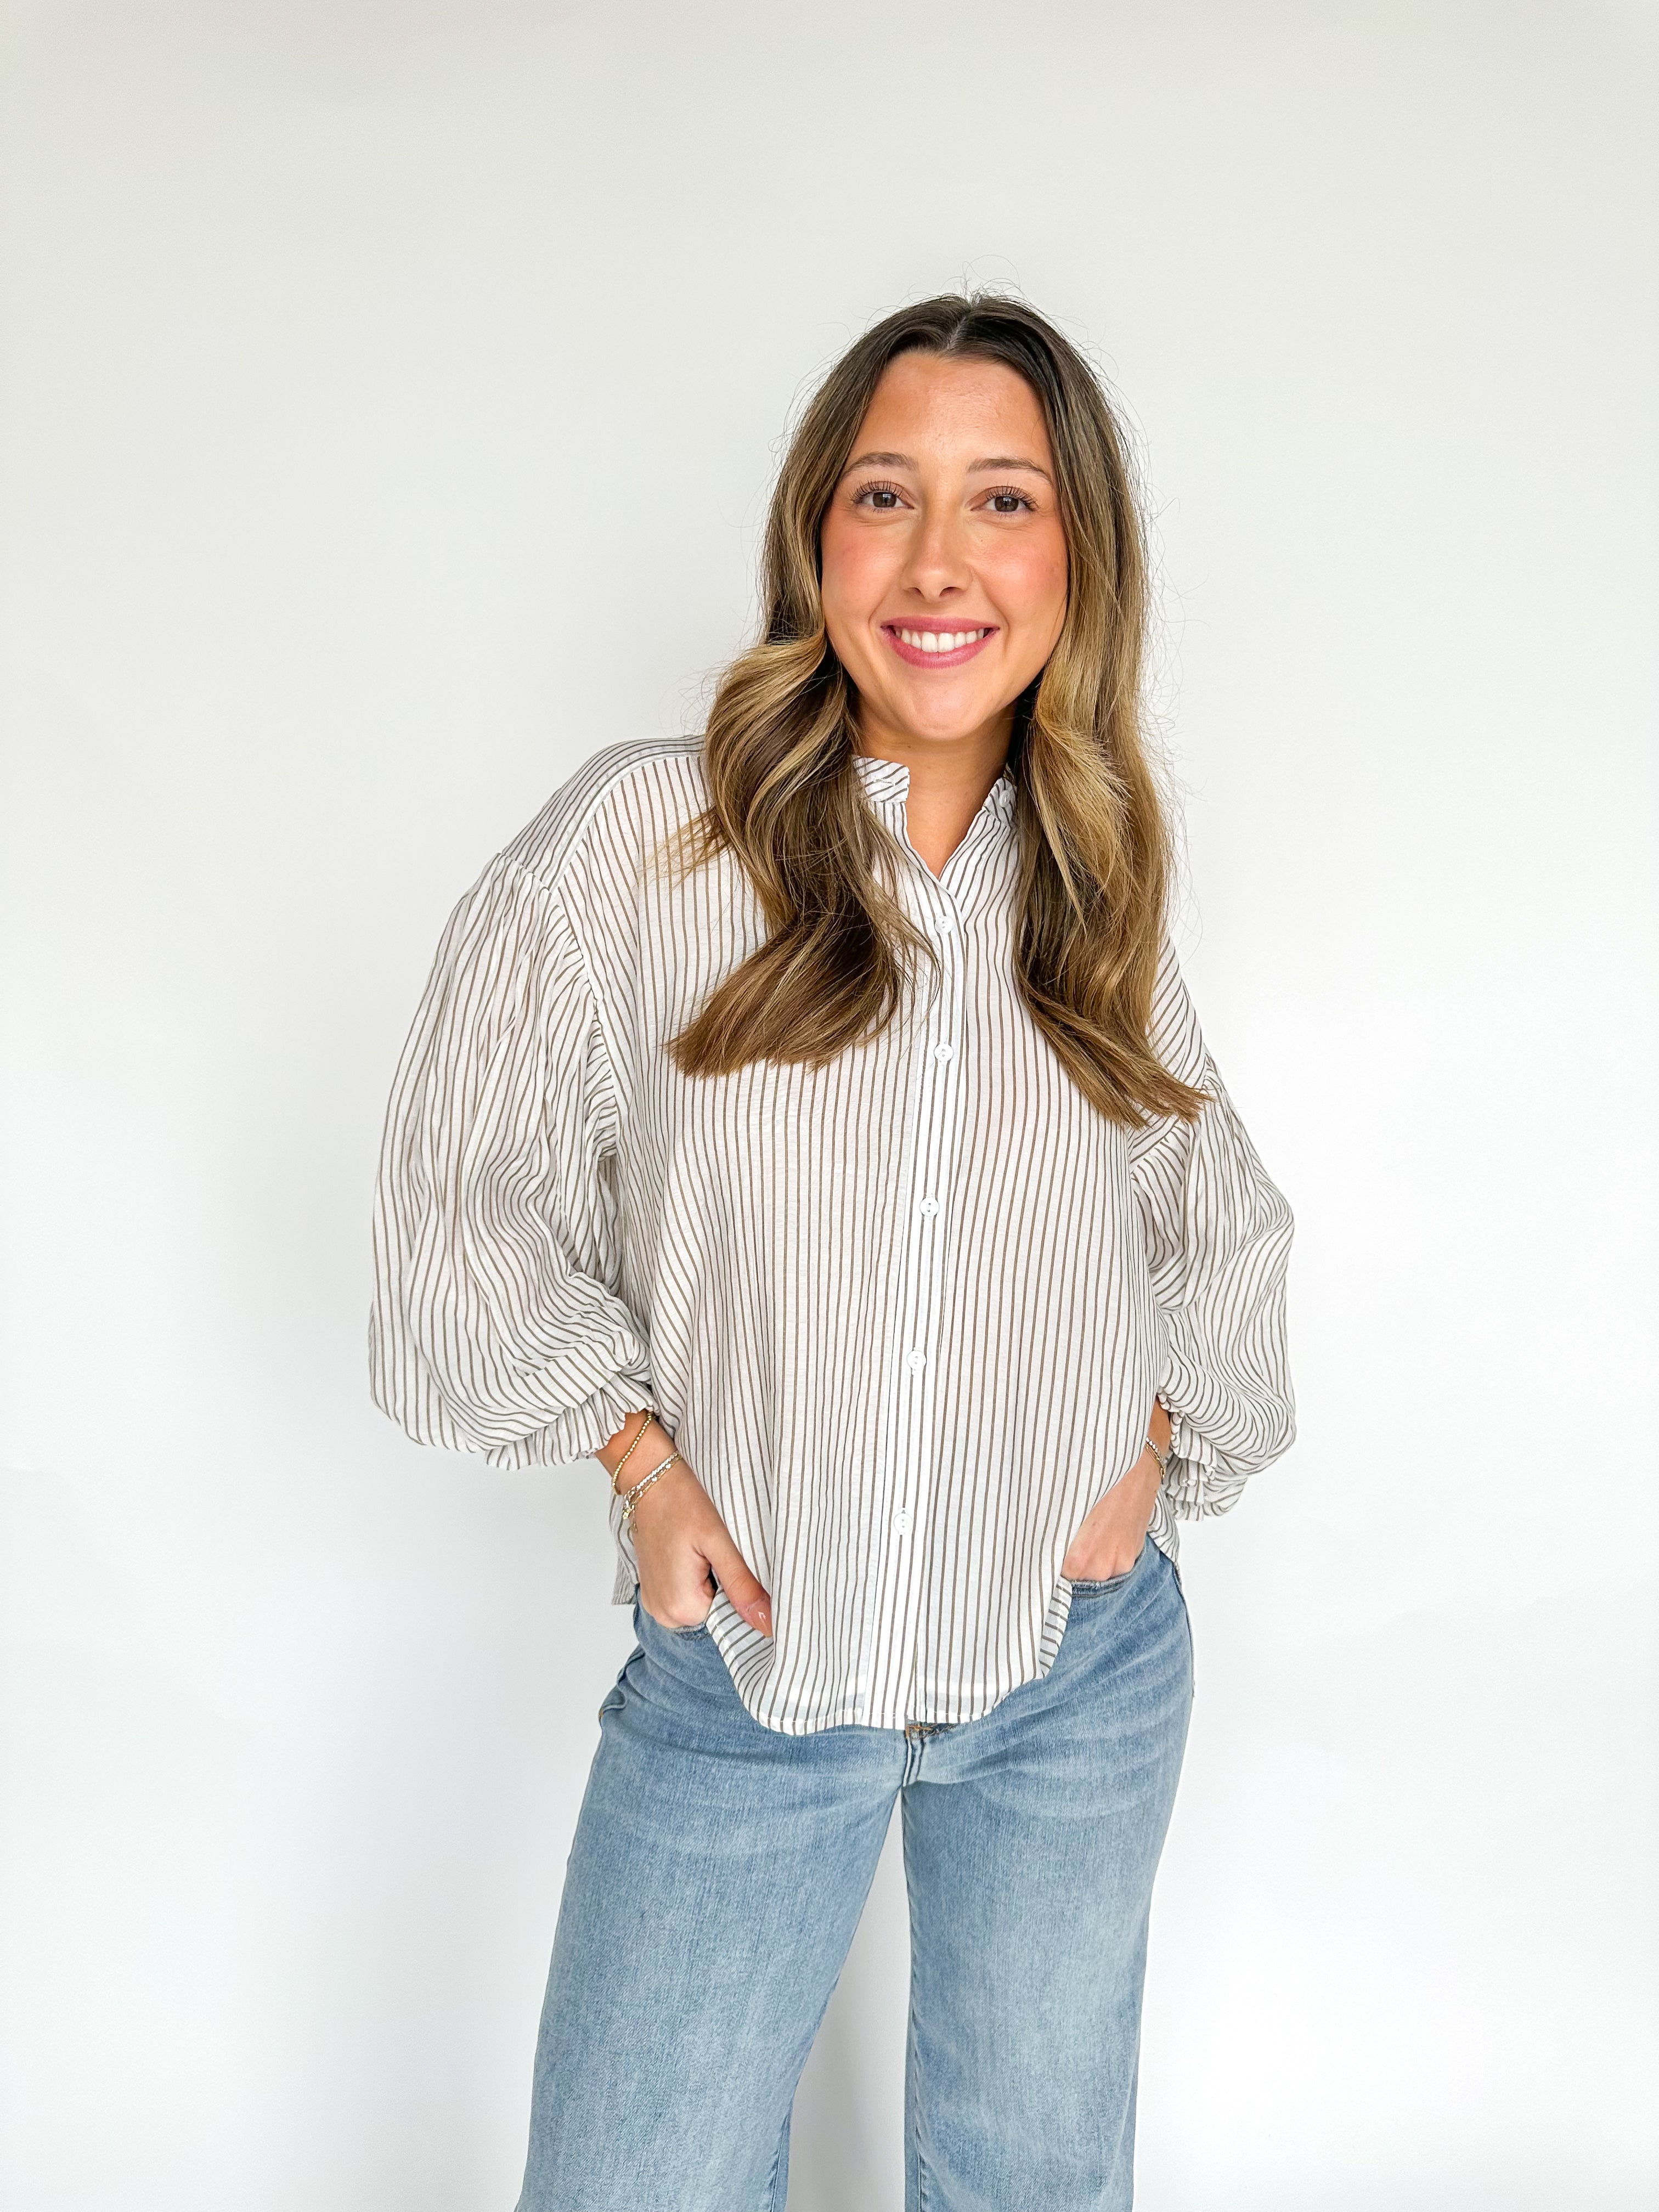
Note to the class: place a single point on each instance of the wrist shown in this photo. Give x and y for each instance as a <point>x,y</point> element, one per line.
<point>656,1497</point>
<point>631,1448</point>
<point>630,1488</point>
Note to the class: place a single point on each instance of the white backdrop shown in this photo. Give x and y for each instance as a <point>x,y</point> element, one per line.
<point>390,394</point>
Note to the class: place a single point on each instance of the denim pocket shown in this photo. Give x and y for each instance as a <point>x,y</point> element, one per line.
<point>1112,1582</point>
<point>642,1619</point>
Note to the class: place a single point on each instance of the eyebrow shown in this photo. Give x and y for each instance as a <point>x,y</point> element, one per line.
<point>1011,461</point>
<point>975,468</point>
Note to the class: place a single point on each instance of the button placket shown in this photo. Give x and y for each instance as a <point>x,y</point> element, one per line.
<point>946,908</point>
<point>890,1623</point>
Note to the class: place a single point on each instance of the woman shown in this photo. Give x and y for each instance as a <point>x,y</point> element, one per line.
<point>809,1122</point>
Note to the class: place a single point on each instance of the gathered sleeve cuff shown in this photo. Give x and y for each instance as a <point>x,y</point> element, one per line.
<point>1218,1238</point>
<point>497,1324</point>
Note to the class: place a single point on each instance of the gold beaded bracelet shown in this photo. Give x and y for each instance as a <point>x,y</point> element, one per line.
<point>1162,1457</point>
<point>638,1435</point>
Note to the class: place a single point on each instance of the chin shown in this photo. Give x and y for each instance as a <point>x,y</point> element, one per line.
<point>942,722</point>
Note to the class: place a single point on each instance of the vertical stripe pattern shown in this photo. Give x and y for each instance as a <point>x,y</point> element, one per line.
<point>905,1314</point>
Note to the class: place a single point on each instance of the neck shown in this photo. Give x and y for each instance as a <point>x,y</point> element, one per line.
<point>950,778</point>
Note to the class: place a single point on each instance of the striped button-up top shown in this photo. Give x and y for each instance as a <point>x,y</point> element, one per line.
<point>904,1314</point>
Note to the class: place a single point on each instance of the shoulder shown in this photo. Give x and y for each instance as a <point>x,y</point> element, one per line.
<point>1176,1036</point>
<point>622,801</point>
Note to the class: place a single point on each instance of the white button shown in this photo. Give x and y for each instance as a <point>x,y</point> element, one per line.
<point>916,1362</point>
<point>943,1051</point>
<point>901,1521</point>
<point>929,1206</point>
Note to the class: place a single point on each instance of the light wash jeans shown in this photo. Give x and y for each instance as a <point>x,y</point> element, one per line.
<point>717,1875</point>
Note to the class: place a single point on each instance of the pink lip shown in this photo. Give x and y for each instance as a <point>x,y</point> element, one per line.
<point>917,659</point>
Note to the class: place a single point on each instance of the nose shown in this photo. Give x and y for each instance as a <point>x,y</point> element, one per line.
<point>936,563</point>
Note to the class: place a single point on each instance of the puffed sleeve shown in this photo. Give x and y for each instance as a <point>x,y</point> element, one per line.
<point>496,1326</point>
<point>1218,1238</point>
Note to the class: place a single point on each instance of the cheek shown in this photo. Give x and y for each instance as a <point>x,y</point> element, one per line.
<point>854,573</point>
<point>1031,585</point>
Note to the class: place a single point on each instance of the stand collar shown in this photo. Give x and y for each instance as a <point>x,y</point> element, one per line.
<point>887,782</point>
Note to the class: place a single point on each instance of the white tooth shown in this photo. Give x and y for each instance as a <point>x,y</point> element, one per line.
<point>961,638</point>
<point>929,642</point>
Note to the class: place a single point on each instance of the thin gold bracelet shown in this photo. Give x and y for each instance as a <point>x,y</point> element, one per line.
<point>634,1496</point>
<point>638,1433</point>
<point>631,1501</point>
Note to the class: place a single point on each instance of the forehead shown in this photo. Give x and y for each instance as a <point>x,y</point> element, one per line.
<point>963,408</point>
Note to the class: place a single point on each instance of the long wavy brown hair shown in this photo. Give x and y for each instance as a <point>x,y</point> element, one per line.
<point>1095,850</point>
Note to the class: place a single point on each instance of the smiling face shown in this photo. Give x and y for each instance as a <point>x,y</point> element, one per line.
<point>943,560</point>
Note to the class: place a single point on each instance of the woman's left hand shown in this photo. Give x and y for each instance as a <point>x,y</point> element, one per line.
<point>1109,1542</point>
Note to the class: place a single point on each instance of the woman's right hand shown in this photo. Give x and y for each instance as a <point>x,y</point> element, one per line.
<point>682,1548</point>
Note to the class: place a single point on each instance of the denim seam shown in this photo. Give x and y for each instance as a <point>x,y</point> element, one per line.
<point>772,2202</point>
<point>922,2191</point>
